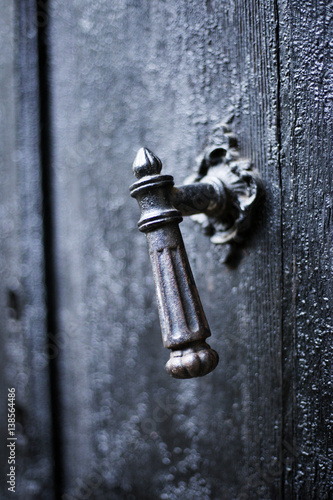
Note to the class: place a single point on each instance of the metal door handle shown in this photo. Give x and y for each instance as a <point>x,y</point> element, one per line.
<point>183,322</point>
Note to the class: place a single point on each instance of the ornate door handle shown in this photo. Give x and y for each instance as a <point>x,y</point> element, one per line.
<point>183,322</point>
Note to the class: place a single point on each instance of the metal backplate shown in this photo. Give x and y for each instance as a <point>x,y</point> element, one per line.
<point>243,188</point>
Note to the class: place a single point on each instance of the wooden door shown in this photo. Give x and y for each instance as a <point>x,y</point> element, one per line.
<point>83,86</point>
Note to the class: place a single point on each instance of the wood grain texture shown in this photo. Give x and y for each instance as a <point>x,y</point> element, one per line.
<point>305,34</point>
<point>24,364</point>
<point>164,74</point>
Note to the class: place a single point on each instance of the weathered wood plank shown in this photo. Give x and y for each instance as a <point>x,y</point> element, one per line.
<point>166,74</point>
<point>22,292</point>
<point>163,74</point>
<point>305,30</point>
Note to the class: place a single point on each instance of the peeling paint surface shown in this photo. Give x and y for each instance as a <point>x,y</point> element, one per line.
<point>165,75</point>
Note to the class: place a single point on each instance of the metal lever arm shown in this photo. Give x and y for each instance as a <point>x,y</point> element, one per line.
<point>183,321</point>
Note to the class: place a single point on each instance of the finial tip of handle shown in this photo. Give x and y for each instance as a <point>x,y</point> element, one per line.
<point>146,163</point>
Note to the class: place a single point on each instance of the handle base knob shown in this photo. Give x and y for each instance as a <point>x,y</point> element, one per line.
<point>194,361</point>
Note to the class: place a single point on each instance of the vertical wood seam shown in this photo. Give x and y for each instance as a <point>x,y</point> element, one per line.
<point>45,151</point>
<point>282,284</point>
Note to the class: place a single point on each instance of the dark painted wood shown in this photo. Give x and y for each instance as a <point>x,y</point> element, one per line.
<point>24,365</point>
<point>164,75</point>
<point>305,34</point>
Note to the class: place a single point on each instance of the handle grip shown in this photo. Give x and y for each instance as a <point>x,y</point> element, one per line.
<point>183,322</point>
